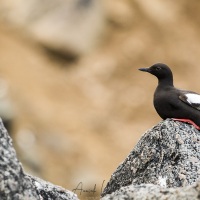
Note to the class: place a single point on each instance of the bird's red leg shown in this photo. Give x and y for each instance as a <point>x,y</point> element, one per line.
<point>187,121</point>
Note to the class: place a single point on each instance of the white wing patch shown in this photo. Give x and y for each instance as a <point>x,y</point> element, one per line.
<point>193,98</point>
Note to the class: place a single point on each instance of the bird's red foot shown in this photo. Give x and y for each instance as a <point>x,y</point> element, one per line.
<point>187,121</point>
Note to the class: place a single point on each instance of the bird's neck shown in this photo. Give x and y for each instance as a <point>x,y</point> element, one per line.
<point>166,82</point>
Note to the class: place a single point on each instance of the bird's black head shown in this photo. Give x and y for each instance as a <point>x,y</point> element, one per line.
<point>161,71</point>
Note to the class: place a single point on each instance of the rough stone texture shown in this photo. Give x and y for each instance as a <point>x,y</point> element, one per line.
<point>167,155</point>
<point>17,185</point>
<point>155,192</point>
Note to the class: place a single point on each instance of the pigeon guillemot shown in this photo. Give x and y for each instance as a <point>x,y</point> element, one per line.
<point>170,102</point>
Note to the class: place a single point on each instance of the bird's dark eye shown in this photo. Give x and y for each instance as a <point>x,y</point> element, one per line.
<point>158,68</point>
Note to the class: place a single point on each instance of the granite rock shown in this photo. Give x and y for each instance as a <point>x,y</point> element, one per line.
<point>155,192</point>
<point>15,184</point>
<point>166,156</point>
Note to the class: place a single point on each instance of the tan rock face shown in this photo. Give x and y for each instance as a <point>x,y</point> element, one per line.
<point>72,26</point>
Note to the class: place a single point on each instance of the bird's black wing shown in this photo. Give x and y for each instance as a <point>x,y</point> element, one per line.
<point>190,98</point>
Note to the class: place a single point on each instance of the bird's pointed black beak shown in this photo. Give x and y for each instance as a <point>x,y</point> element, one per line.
<point>144,69</point>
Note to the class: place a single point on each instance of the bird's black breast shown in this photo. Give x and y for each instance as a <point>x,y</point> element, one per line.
<point>164,102</point>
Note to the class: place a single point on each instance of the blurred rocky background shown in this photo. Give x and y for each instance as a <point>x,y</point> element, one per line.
<point>70,91</point>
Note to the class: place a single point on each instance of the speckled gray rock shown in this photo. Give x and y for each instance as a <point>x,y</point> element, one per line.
<point>17,185</point>
<point>155,192</point>
<point>167,155</point>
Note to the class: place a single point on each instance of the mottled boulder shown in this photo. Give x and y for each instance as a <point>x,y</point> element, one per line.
<point>15,184</point>
<point>155,192</point>
<point>167,156</point>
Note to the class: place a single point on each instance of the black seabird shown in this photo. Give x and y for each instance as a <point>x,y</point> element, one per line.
<point>170,102</point>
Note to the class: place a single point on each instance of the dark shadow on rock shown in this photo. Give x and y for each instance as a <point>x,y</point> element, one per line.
<point>61,56</point>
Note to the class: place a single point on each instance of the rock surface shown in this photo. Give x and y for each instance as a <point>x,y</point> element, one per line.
<point>167,156</point>
<point>150,191</point>
<point>17,185</point>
